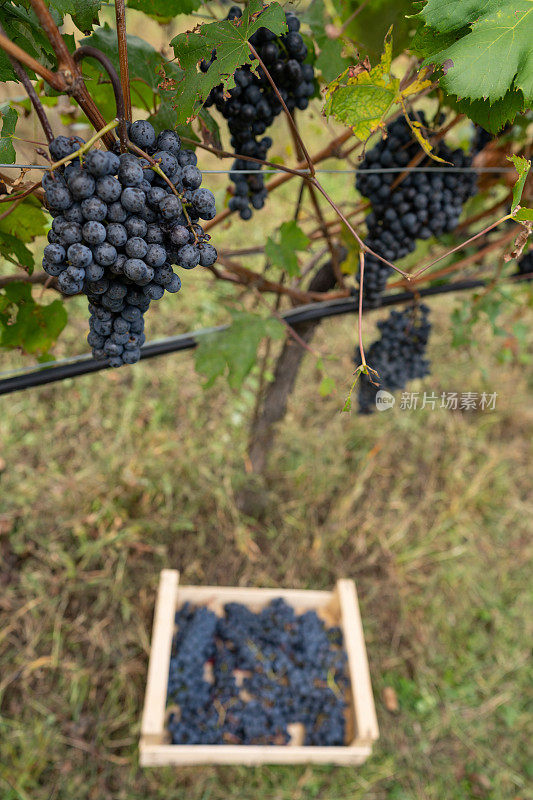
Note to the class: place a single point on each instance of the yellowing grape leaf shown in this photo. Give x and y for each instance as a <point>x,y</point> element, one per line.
<point>522,166</point>
<point>362,96</point>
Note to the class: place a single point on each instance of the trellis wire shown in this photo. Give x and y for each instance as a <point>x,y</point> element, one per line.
<point>52,372</point>
<point>376,170</point>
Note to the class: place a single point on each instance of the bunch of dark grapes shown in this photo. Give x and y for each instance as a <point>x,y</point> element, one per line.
<point>398,356</point>
<point>424,204</point>
<point>252,105</point>
<point>119,228</point>
<point>295,672</point>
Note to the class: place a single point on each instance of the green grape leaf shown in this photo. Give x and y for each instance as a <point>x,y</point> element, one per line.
<point>26,221</point>
<point>234,351</point>
<point>493,56</point>
<point>12,248</point>
<point>21,26</point>
<point>26,324</point>
<point>165,10</point>
<point>491,116</point>
<point>282,253</point>
<point>330,61</point>
<point>84,13</point>
<point>361,97</point>
<point>230,39</point>
<point>522,166</point>
<point>9,122</point>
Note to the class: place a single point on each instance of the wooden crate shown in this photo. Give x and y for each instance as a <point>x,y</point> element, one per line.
<point>339,607</point>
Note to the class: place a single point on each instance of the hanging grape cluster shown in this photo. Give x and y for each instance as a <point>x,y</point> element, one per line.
<point>118,229</point>
<point>398,356</point>
<point>252,105</point>
<point>424,204</point>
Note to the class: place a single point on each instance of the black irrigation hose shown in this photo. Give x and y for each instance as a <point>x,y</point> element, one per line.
<point>188,341</point>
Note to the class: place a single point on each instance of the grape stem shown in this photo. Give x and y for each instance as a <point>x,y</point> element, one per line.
<point>87,146</point>
<point>416,275</point>
<point>120,15</point>
<point>86,51</point>
<point>286,110</point>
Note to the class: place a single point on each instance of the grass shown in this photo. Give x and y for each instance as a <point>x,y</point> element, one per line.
<point>109,478</point>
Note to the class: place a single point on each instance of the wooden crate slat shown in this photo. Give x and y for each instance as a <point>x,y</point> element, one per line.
<point>354,643</point>
<point>187,755</point>
<point>153,719</point>
<point>304,598</point>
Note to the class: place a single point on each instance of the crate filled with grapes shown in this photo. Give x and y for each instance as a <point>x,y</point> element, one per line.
<point>257,676</point>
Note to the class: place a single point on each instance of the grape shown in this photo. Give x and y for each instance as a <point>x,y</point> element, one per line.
<point>208,255</point>
<point>154,291</point>
<point>192,177</point>
<point>67,285</point>
<point>93,232</point>
<point>53,238</point>
<point>71,234</point>
<point>79,255</point>
<point>186,157</point>
<point>156,194</point>
<point>108,189</point>
<point>155,255</point>
<point>98,162</point>
<point>116,212</point>
<point>133,199</point>
<point>170,207</point>
<point>142,134</point>
<point>62,146</point>
<point>81,185</point>
<point>139,272</point>
<point>154,234</point>
<point>179,235</point>
<point>93,208</point>
<point>77,274</point>
<point>174,284</point>
<point>170,141</point>
<point>53,269</point>
<point>105,254</point>
<point>136,247</point>
<point>188,256</point>
<point>58,197</point>
<point>289,663</point>
<point>252,106</point>
<point>73,214</point>
<point>94,272</point>
<point>116,234</point>
<point>136,226</point>
<point>54,253</point>
<point>130,173</point>
<point>166,161</point>
<point>131,356</point>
